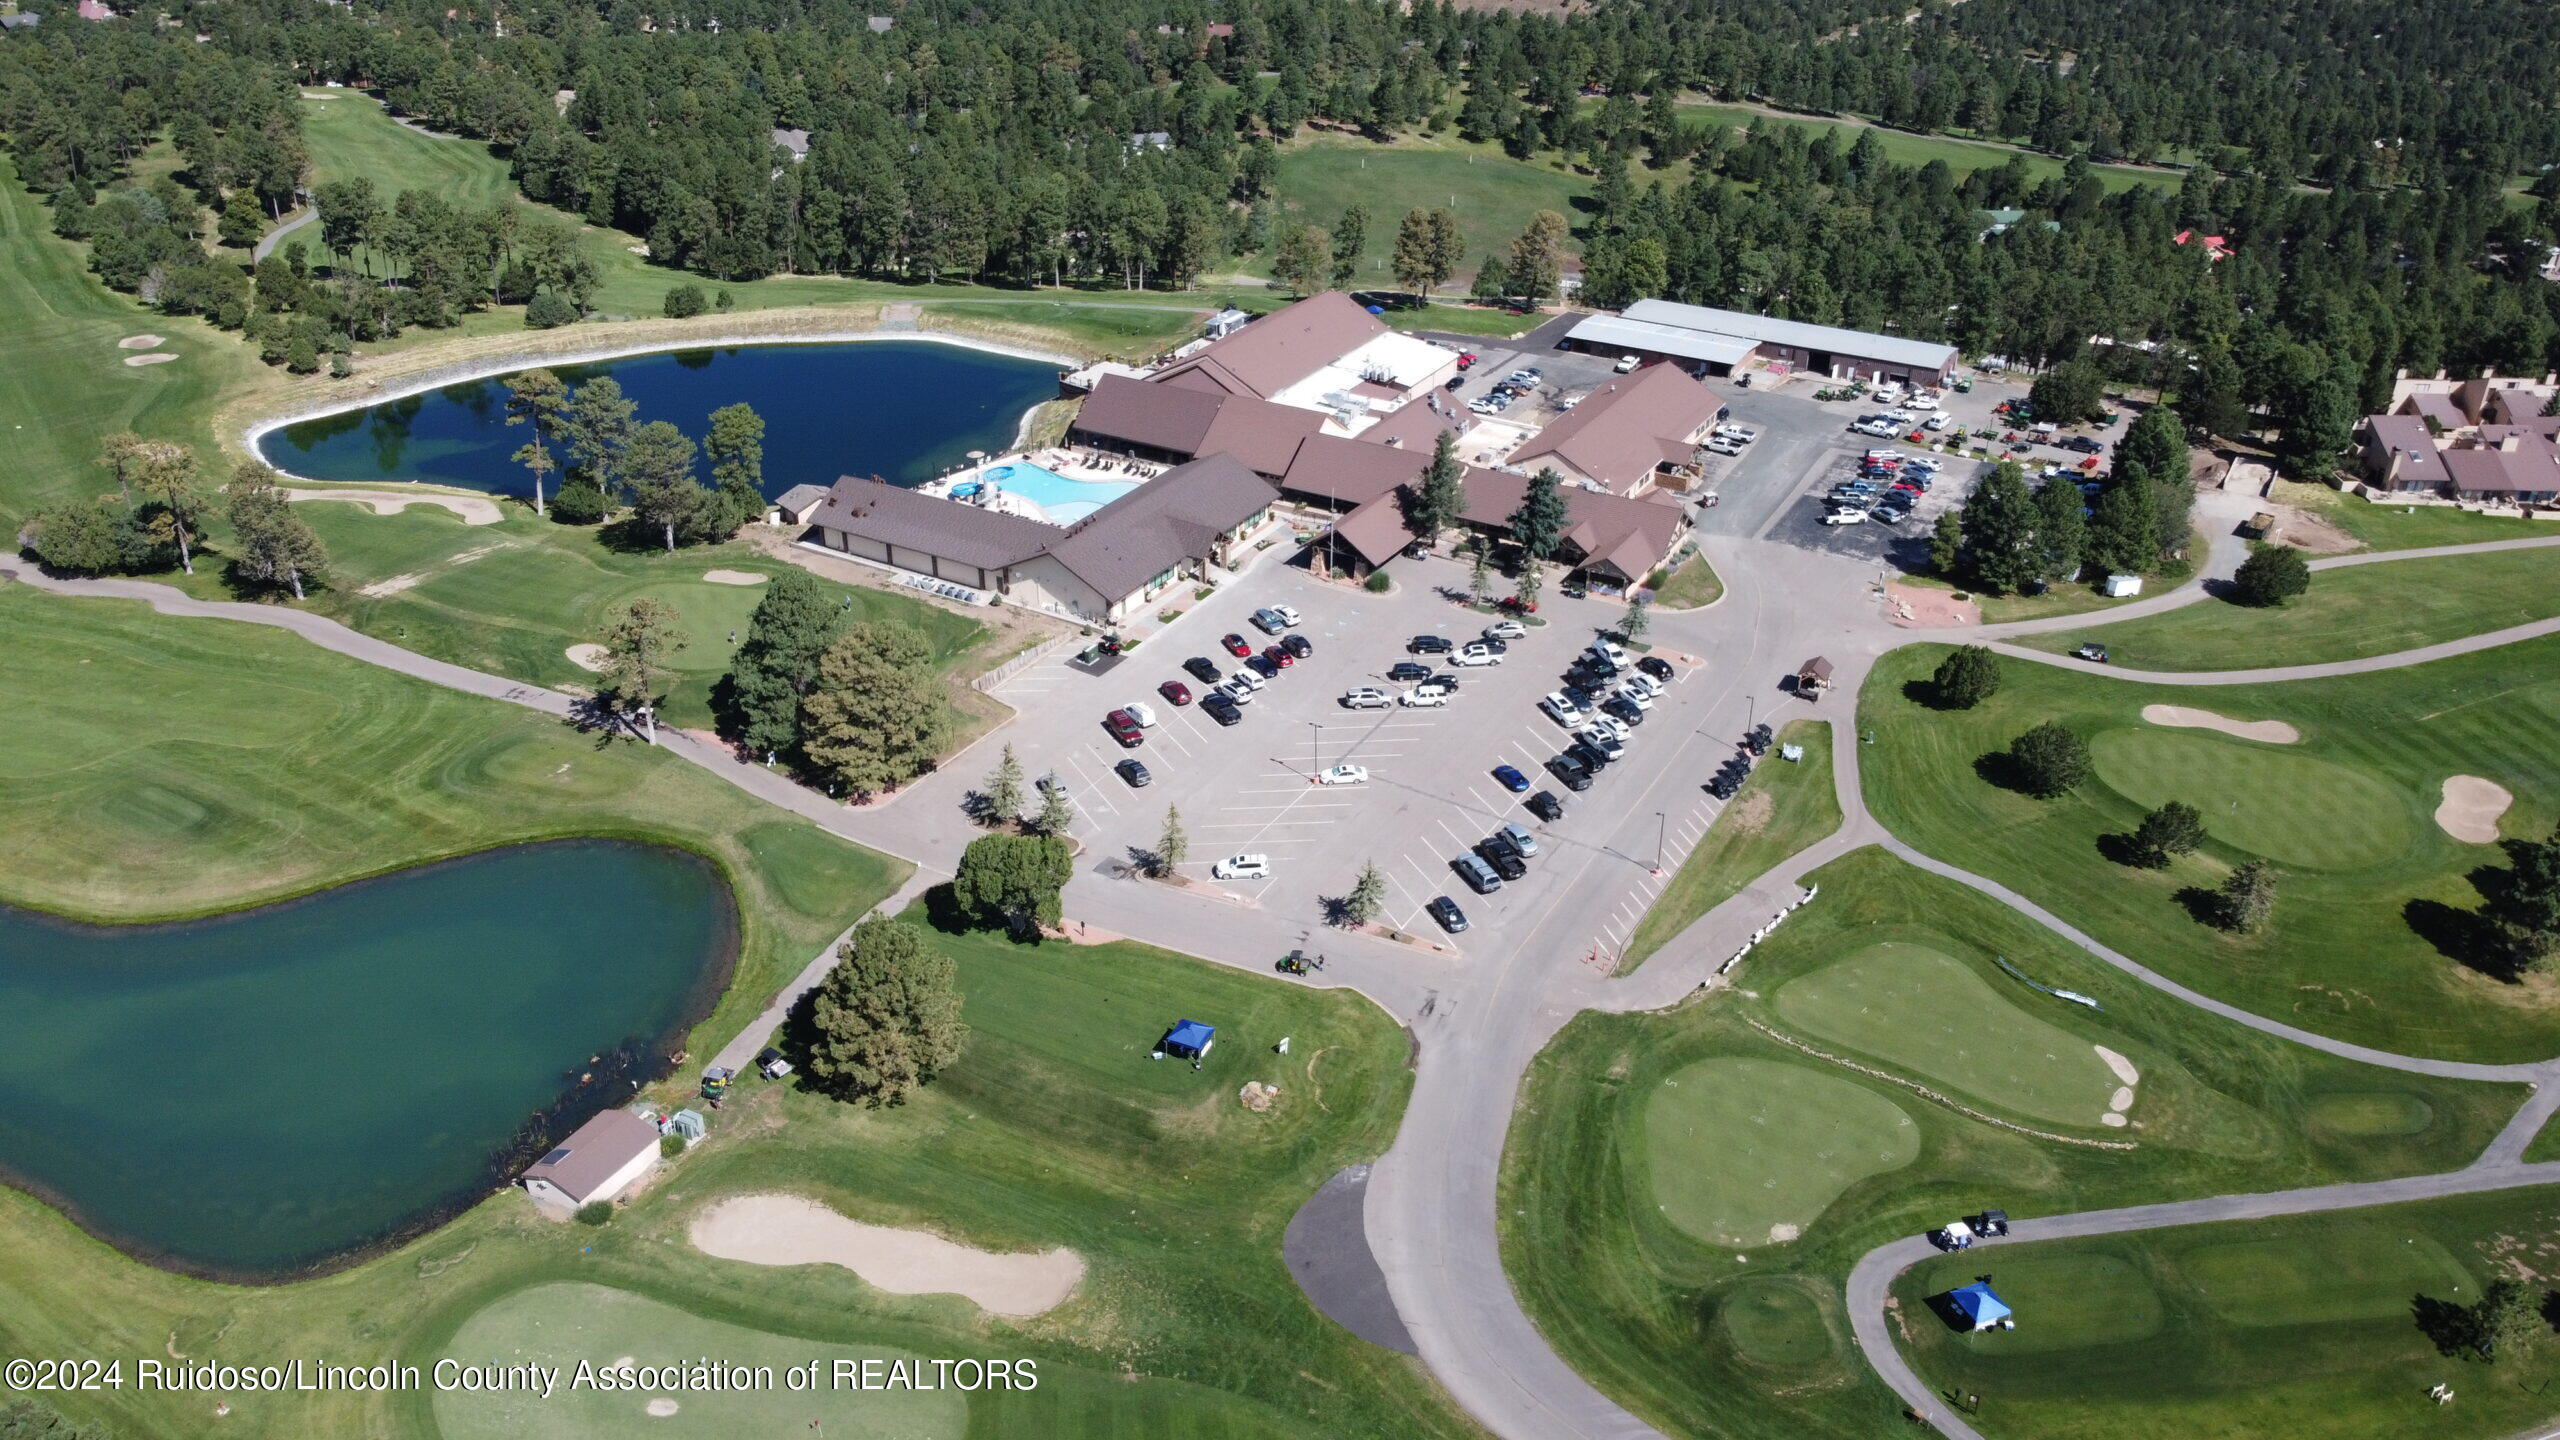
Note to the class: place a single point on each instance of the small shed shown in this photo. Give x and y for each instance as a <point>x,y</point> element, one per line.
<point>598,1161</point>
<point>1980,1308</point>
<point>795,504</point>
<point>1188,1040</point>
<point>2117,587</point>
<point>1813,677</point>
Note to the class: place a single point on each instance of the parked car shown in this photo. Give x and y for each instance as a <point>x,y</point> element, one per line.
<point>1609,650</point>
<point>1479,876</point>
<point>1262,665</point>
<point>1637,695</point>
<point>1288,615</point>
<point>1845,517</point>
<point>2084,445</point>
<point>1124,728</point>
<point>1739,434</point>
<point>1574,775</point>
<point>1269,622</point>
<point>1248,679</point>
<point>1201,670</point>
<point>1719,445</point>
<point>1428,645</point>
<point>1345,774</point>
<point>1423,697</point>
<point>1939,421</point>
<point>1518,838</point>
<point>1133,771</point>
<point>1471,657</point>
<point>1237,690</point>
<point>1622,710</point>
<point>1658,668</point>
<point>1504,863</point>
<point>1404,670</point>
<point>1505,630</point>
<point>1626,364</point>
<point>1546,806</point>
<point>1175,692</point>
<point>1237,646</point>
<point>1593,758</point>
<point>1367,697</point>
<point>1298,645</point>
<point>1511,778</point>
<point>2094,653</point>
<point>1279,656</point>
<point>1242,867</point>
<point>1220,708</point>
<point>1561,708</point>
<point>1609,747</point>
<point>1446,911</point>
<point>1877,428</point>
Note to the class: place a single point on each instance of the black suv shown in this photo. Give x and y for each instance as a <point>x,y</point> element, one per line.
<point>1546,806</point>
<point>1298,645</point>
<point>1408,670</point>
<point>1655,666</point>
<point>1500,857</point>
<point>1221,709</point>
<point>1574,775</point>
<point>1622,709</point>
<point>1589,754</point>
<point>1446,911</point>
<point>1428,645</point>
<point>1201,670</point>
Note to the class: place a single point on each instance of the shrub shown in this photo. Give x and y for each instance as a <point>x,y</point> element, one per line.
<point>1966,678</point>
<point>2271,575</point>
<point>579,503</point>
<point>685,301</point>
<point>2049,760</point>
<point>670,1145</point>
<point>1377,583</point>
<point>599,1213</point>
<point>549,310</point>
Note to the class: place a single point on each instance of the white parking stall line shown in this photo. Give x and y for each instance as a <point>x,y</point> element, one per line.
<point>1430,884</point>
<point>1413,903</point>
<point>1259,826</point>
<point>1287,805</point>
<point>1086,785</point>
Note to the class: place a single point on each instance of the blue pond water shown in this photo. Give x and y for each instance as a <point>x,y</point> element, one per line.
<point>903,410</point>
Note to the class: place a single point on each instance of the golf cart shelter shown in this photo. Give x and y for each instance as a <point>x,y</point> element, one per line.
<point>1188,1040</point>
<point>1813,678</point>
<point>1978,1305</point>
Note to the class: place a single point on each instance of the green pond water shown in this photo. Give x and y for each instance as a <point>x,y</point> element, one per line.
<point>260,1094</point>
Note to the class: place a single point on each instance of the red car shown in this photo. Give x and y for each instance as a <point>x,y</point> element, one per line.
<point>1236,646</point>
<point>1175,691</point>
<point>1124,728</point>
<point>1278,656</point>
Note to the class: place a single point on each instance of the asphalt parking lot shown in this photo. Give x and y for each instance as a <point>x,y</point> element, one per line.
<point>1430,796</point>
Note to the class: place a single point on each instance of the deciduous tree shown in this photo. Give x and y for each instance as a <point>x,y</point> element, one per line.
<point>2172,830</point>
<point>2049,760</point>
<point>1968,676</point>
<point>174,502</point>
<point>2271,575</point>
<point>886,1019</point>
<point>1013,881</point>
<point>1537,259</point>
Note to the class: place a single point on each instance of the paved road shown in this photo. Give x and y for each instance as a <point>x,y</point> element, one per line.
<point>268,242</point>
<point>1431,1217</point>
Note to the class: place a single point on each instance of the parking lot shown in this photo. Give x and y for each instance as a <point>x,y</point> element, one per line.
<point>1430,794</point>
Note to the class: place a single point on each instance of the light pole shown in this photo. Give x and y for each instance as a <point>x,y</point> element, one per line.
<point>1661,833</point>
<point>1315,748</point>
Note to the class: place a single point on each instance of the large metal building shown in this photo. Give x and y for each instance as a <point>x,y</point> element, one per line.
<point>1706,341</point>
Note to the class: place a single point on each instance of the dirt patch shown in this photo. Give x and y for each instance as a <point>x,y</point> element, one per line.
<point>161,357</point>
<point>1751,814</point>
<point>2306,531</point>
<point>1781,1234</point>
<point>734,577</point>
<point>1918,608</point>
<point>141,342</point>
<point>2471,809</point>
<point>473,509</point>
<point>1258,1097</point>
<point>410,581</point>
<point>2272,732</point>
<point>588,657</point>
<point>792,1230</point>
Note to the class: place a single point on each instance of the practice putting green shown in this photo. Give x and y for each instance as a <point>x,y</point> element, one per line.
<point>1776,1321</point>
<point>2368,1113</point>
<point>1746,1152</point>
<point>2293,809</point>
<point>563,1324</point>
<point>1928,1013</point>
<point>2362,1272</point>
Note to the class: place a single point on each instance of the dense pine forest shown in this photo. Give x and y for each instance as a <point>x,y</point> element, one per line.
<point>2356,158</point>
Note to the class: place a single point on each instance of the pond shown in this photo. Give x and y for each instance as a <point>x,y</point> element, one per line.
<point>903,410</point>
<point>264,1093</point>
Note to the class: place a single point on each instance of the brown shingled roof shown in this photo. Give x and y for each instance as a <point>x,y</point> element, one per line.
<point>1162,523</point>
<point>1280,349</point>
<point>1619,432</point>
<point>878,510</point>
<point>1160,417</point>
<point>1351,472</point>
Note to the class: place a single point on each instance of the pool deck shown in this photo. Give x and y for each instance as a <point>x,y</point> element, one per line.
<point>1065,462</point>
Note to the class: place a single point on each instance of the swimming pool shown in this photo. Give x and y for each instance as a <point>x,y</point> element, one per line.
<point>1063,500</point>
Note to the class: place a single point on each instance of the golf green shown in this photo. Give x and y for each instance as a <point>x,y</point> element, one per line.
<point>565,1324</point>
<point>2065,1299</point>
<point>1775,1321</point>
<point>1745,1152</point>
<point>2359,1272</point>
<point>2292,809</point>
<point>1925,1012</point>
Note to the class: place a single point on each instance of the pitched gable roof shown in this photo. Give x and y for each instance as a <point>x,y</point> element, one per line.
<point>593,1152</point>
<point>1280,349</point>
<point>1622,430</point>
<point>1167,520</point>
<point>893,515</point>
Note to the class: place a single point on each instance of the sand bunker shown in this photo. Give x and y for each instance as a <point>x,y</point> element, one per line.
<point>733,577</point>
<point>159,358</point>
<point>2471,809</point>
<point>2273,732</point>
<point>587,657</point>
<point>141,342</point>
<point>2123,1067</point>
<point>662,1407</point>
<point>2122,1100</point>
<point>791,1230</point>
<point>473,509</point>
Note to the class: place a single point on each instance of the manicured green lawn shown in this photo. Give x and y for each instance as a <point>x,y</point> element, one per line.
<point>2250,1330</point>
<point>1748,1152</point>
<point>2348,614</point>
<point>1693,583</point>
<point>1780,810</point>
<point>2071,597</point>
<point>517,608</point>
<point>352,137</point>
<point>1492,194</point>
<point>1923,1012</point>
<point>2366,877</point>
<point>1706,1340</point>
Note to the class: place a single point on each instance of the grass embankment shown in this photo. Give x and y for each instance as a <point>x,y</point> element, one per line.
<point>2251,1331</point>
<point>1692,584</point>
<point>1902,147</point>
<point>2071,597</point>
<point>2369,886</point>
<point>2348,614</point>
<point>162,766</point>
<point>1780,810</point>
<point>1492,194</point>
<point>1655,1158</point>
<point>2385,526</point>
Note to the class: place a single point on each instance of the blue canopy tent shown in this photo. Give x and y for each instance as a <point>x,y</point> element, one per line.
<point>1977,1304</point>
<point>1189,1039</point>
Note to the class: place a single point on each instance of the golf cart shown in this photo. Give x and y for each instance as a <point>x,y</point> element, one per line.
<point>770,1064</point>
<point>1296,962</point>
<point>2095,654</point>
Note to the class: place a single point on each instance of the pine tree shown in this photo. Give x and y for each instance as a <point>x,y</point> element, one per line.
<point>1999,524</point>
<point>886,1019</point>
<point>735,448</point>
<point>597,427</point>
<point>276,548</point>
<point>2212,403</point>
<point>1171,843</point>
<point>1537,259</point>
<point>1443,497</point>
<point>164,475</point>
<point>1350,236</point>
<point>777,663</point>
<point>1013,881</point>
<point>658,466</point>
<point>1637,618</point>
<point>1946,545</point>
<point>1968,676</point>
<point>1416,255</point>
<point>2049,760</point>
<point>876,717</point>
<point>640,647</point>
<point>2317,422</point>
<point>1368,895</point>
<point>2271,575</point>
<point>537,398</point>
<point>1057,816</point>
<point>1480,575</point>
<point>1003,790</point>
<point>1492,283</point>
<point>1538,525</point>
<point>2247,895</point>
<point>2062,532</point>
<point>2124,533</point>
<point>1304,259</point>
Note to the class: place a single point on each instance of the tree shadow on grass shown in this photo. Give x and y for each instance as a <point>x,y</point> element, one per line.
<point>1925,694</point>
<point>2203,906</point>
<point>2001,770</point>
<point>2446,1325</point>
<point>2121,849</point>
<point>2465,937</point>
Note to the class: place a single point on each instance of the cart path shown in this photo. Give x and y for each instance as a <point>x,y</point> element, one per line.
<point>2397,659</point>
